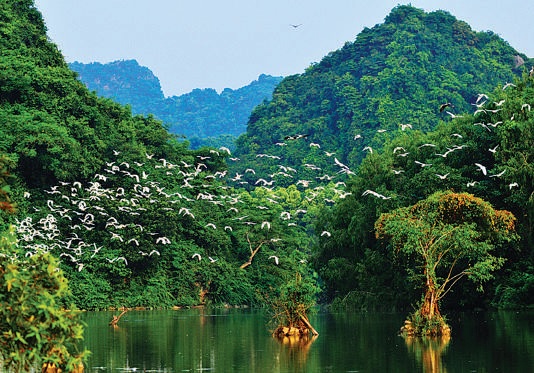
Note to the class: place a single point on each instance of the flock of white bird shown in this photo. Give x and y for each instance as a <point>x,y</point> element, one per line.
<point>80,205</point>
<point>74,209</point>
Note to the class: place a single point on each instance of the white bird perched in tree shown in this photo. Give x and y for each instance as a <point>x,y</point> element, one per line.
<point>211,225</point>
<point>482,168</point>
<point>368,148</point>
<point>163,240</point>
<point>285,215</point>
<point>514,184</point>
<point>398,148</point>
<point>197,255</point>
<point>326,233</point>
<point>266,224</point>
<point>404,126</point>
<point>275,258</point>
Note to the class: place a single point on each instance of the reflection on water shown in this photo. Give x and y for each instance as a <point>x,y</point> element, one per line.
<point>237,340</point>
<point>296,350</point>
<point>429,352</point>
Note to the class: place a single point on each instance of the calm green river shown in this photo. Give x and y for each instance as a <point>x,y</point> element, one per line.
<point>238,340</point>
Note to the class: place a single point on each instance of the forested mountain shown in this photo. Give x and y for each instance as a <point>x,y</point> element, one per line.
<point>398,72</point>
<point>202,113</point>
<point>124,81</point>
<point>136,218</point>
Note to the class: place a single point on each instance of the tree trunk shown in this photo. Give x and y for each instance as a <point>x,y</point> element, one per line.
<point>306,322</point>
<point>427,321</point>
<point>429,308</point>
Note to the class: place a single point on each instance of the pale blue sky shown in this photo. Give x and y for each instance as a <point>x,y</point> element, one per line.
<point>227,44</point>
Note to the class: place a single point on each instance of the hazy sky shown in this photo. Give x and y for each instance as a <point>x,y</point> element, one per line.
<point>227,44</point>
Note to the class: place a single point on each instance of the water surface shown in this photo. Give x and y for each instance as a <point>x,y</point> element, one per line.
<point>238,340</point>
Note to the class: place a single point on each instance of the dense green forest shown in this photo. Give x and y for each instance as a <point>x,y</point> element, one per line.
<point>138,218</point>
<point>419,89</point>
<point>204,116</point>
<point>134,216</point>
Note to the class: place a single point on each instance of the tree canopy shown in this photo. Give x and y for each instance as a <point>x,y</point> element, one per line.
<point>444,238</point>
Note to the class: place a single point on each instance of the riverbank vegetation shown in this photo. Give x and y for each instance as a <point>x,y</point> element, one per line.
<point>35,329</point>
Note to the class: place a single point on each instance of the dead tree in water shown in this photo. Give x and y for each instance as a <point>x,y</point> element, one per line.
<point>115,320</point>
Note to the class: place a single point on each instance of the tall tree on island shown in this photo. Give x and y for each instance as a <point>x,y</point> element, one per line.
<point>444,238</point>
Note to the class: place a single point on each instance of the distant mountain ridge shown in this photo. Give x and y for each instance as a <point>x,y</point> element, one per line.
<point>124,80</point>
<point>201,113</point>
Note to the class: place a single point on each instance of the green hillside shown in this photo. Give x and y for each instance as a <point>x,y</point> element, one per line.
<point>398,72</point>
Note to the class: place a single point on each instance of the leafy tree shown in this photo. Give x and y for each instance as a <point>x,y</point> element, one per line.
<point>291,305</point>
<point>444,238</point>
<point>34,328</point>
